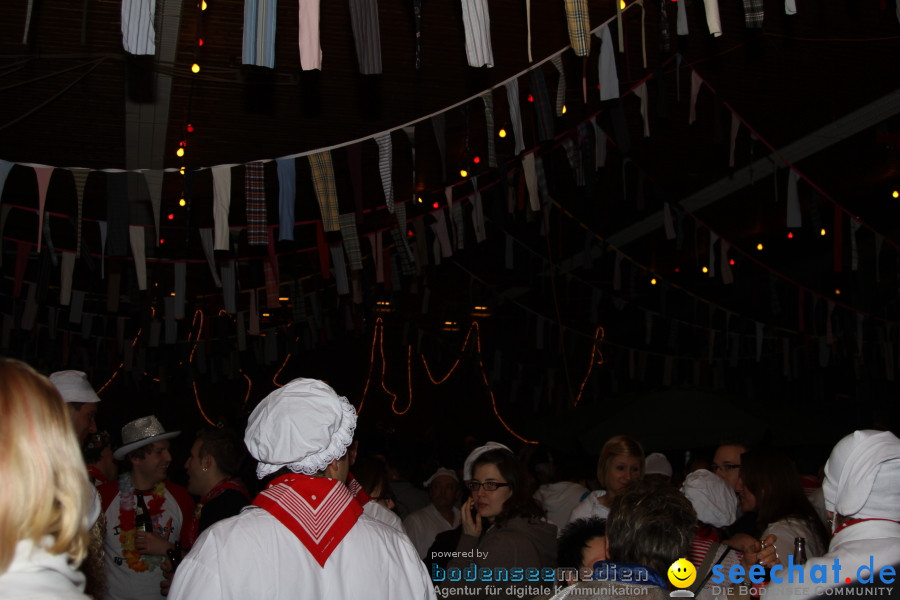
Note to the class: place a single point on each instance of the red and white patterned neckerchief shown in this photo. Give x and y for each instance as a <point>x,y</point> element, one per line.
<point>357,491</point>
<point>318,510</point>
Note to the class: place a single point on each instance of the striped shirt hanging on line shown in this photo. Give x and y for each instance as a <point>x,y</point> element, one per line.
<point>259,33</point>
<point>477,23</point>
<point>138,35</point>
<point>367,35</point>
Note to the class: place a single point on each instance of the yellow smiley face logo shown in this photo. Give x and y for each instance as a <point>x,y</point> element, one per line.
<point>682,573</point>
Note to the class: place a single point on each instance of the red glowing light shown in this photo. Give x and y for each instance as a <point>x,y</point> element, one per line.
<point>435,205</point>
<point>677,270</point>
<point>162,241</point>
<point>190,128</point>
<point>731,262</point>
<point>182,144</point>
<point>409,233</point>
<point>476,160</point>
<point>199,41</point>
<point>790,235</point>
<point>530,98</point>
<point>171,216</point>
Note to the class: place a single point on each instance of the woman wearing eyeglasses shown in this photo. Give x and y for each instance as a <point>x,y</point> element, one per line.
<point>503,528</point>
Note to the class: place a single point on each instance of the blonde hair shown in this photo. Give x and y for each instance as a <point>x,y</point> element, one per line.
<point>45,490</point>
<point>618,445</point>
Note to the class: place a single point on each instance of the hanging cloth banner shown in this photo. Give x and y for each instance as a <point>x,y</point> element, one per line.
<point>410,131</point>
<point>528,169</point>
<point>255,198</point>
<point>790,7</point>
<point>528,25</point>
<point>641,92</point>
<point>681,23</point>
<point>23,249</point>
<point>712,17</point>
<point>561,86</point>
<point>340,270</point>
<point>377,255</point>
<point>696,82</point>
<point>229,287</point>
<point>326,192</point>
<point>136,236</point>
<point>65,278</point>
<point>351,240</point>
<point>600,142</point>
<point>385,168</point>
<point>606,65</point>
<point>308,36</point>
<point>258,46</point>
<point>138,35</point>
<point>206,241</point>
<point>154,181</point>
<point>322,245</point>
<point>43,175</point>
<point>443,237</point>
<point>578,20</point>
<point>477,24</point>
<point>515,113</point>
<point>488,100</point>
<point>354,162</point>
<point>287,194</point>
<point>366,35</point>
<point>794,217</point>
<point>542,107</point>
<point>221,204</point>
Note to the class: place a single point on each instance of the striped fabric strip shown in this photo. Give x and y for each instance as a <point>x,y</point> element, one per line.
<point>138,36</point>
<point>367,35</point>
<point>406,265</point>
<point>488,100</point>
<point>578,20</point>
<point>385,167</point>
<point>561,87</point>
<point>206,241</point>
<point>340,270</point>
<point>515,113</point>
<point>477,23</point>
<point>287,185</point>
<point>259,33</point>
<point>308,36</point>
<point>326,191</point>
<point>80,176</point>
<point>255,196</point>
<point>351,240</point>
<point>753,14</point>
<point>571,153</point>
<point>541,104</point>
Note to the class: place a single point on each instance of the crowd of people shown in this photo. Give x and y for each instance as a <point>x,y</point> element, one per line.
<point>85,514</point>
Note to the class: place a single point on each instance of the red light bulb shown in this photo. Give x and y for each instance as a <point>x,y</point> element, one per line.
<point>162,241</point>
<point>199,41</point>
<point>731,262</point>
<point>190,128</point>
<point>182,144</point>
<point>790,235</point>
<point>476,160</point>
<point>436,205</point>
<point>171,216</point>
<point>530,98</point>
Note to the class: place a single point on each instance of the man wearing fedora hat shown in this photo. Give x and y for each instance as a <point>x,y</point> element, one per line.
<point>305,535</point>
<point>135,552</point>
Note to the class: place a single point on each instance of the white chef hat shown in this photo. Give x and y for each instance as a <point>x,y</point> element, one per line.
<point>713,499</point>
<point>74,386</point>
<point>862,476</point>
<point>657,464</point>
<point>302,426</point>
<point>443,471</point>
<point>467,466</point>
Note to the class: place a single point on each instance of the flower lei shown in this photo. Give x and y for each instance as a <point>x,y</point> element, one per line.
<point>135,560</point>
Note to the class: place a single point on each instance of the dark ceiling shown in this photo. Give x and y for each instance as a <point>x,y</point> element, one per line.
<point>816,91</point>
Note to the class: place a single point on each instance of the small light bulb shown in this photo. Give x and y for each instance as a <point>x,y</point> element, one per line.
<point>564,109</point>
<point>182,202</point>
<point>822,231</point>
<point>181,170</point>
<point>190,127</point>
<point>199,42</point>
<point>759,246</point>
<point>463,173</point>
<point>502,133</point>
<point>435,205</point>
<point>896,194</point>
<point>476,160</point>
<point>171,216</point>
<point>837,292</point>
<point>530,98</point>
<point>731,262</point>
<point>195,68</point>
<point>419,199</point>
<point>790,235</point>
<point>203,5</point>
<point>622,4</point>
<point>162,241</point>
<point>179,152</point>
<point>705,269</point>
<point>653,281</point>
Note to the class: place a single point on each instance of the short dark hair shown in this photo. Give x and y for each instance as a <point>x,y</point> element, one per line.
<point>372,474</point>
<point>225,446</point>
<point>137,453</point>
<point>574,539</point>
<point>650,525</point>
<point>521,503</point>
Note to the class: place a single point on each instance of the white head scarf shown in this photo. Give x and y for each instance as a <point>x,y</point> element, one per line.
<point>862,476</point>
<point>713,499</point>
<point>302,426</point>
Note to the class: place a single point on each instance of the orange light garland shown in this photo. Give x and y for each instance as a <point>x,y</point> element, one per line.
<point>596,358</point>
<point>378,337</point>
